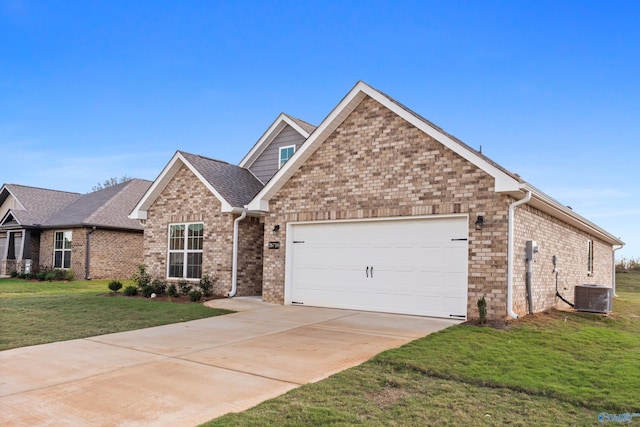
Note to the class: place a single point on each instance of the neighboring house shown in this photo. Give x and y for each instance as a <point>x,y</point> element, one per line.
<point>376,209</point>
<point>89,234</point>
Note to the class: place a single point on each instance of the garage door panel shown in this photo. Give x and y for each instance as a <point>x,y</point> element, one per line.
<point>419,266</point>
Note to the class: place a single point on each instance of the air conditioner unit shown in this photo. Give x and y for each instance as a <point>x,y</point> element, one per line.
<point>593,298</point>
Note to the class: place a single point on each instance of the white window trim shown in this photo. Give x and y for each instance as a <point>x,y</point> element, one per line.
<point>590,257</point>
<point>63,250</point>
<point>184,251</point>
<point>280,154</point>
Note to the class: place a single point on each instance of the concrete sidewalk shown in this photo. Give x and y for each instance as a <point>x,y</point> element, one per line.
<point>188,373</point>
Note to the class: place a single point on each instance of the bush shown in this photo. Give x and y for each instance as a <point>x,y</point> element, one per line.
<point>49,277</point>
<point>41,276</point>
<point>69,275</point>
<point>195,295</point>
<point>13,274</point>
<point>482,309</point>
<point>172,290</point>
<point>206,285</point>
<point>115,286</point>
<point>159,287</point>
<point>184,287</point>
<point>131,291</point>
<point>147,291</point>
<point>141,278</point>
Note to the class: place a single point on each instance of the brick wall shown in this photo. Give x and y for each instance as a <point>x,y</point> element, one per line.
<point>186,199</point>
<point>569,245</point>
<point>115,254</point>
<point>376,165</point>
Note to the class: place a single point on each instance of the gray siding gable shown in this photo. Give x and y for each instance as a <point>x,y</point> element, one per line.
<point>266,165</point>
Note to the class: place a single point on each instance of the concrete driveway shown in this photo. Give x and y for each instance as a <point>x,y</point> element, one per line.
<point>188,373</point>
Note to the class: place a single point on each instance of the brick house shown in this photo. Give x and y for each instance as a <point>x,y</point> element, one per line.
<point>379,209</point>
<point>89,234</point>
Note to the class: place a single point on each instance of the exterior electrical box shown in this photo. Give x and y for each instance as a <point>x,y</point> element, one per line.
<point>531,248</point>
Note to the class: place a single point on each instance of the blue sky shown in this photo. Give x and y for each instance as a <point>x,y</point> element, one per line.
<point>549,89</point>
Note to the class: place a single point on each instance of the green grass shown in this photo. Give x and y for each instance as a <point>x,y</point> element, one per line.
<point>42,312</point>
<point>557,368</point>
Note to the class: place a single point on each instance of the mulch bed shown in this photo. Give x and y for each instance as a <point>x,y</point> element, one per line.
<point>180,299</point>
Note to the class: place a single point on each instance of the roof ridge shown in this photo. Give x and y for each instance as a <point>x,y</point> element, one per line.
<point>204,157</point>
<point>40,188</point>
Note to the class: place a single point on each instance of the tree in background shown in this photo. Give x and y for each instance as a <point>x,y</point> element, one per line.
<point>111,182</point>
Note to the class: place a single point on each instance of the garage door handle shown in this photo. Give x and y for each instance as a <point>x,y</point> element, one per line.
<point>372,271</point>
<point>367,271</point>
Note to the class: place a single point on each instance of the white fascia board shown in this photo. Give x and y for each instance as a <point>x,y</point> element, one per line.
<point>169,171</point>
<point>13,196</point>
<point>554,208</point>
<point>270,134</point>
<point>503,182</point>
<point>261,201</point>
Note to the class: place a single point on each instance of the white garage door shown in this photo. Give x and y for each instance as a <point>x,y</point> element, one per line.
<point>409,266</point>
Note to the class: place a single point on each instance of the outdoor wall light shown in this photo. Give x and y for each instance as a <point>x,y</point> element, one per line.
<point>479,222</point>
<point>276,228</point>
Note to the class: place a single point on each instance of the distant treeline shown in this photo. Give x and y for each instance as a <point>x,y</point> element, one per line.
<point>631,264</point>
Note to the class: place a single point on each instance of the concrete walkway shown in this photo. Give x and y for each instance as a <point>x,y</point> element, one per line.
<point>188,373</point>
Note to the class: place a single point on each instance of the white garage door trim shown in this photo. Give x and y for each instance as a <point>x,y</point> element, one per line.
<point>411,284</point>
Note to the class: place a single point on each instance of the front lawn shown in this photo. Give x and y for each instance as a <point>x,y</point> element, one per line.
<point>41,312</point>
<point>557,368</point>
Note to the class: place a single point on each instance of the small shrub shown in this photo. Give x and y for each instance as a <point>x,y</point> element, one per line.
<point>115,286</point>
<point>69,275</point>
<point>206,285</point>
<point>49,277</point>
<point>172,290</point>
<point>482,308</point>
<point>184,287</point>
<point>59,274</point>
<point>131,291</point>
<point>141,278</point>
<point>195,295</point>
<point>13,274</point>
<point>42,276</point>
<point>21,275</point>
<point>159,287</point>
<point>147,291</point>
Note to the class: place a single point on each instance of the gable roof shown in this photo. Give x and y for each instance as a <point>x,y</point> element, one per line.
<point>107,208</point>
<point>278,125</point>
<point>36,205</point>
<point>504,181</point>
<point>232,185</point>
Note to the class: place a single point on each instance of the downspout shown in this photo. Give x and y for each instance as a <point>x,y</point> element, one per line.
<point>234,268</point>
<point>512,208</point>
<point>87,261</point>
<point>613,273</point>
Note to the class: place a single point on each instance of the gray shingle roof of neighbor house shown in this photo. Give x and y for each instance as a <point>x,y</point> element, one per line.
<point>37,204</point>
<point>106,208</point>
<point>236,185</point>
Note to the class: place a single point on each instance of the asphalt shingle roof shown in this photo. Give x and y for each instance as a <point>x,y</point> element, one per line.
<point>308,127</point>
<point>39,203</point>
<point>108,207</point>
<point>235,184</point>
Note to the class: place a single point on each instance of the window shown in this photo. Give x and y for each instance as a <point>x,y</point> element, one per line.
<point>285,154</point>
<point>62,249</point>
<point>185,251</point>
<point>589,256</point>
